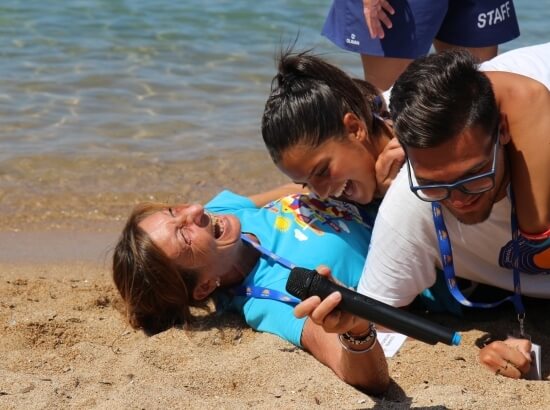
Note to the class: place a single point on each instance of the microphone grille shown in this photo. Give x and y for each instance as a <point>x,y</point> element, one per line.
<point>299,281</point>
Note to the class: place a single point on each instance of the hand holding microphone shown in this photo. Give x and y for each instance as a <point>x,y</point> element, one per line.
<point>303,283</point>
<point>325,312</point>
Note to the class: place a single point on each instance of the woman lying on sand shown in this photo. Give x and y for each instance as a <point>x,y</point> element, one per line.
<point>170,258</point>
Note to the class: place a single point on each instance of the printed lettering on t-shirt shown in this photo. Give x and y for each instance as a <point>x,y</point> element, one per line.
<point>495,16</point>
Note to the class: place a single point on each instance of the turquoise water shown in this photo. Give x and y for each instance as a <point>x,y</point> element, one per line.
<point>161,77</point>
<point>95,92</point>
<point>120,77</point>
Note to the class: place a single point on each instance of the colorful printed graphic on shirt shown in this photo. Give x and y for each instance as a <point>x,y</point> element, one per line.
<point>310,213</point>
<point>534,256</point>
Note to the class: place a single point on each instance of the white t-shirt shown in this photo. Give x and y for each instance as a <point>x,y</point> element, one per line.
<point>404,248</point>
<point>533,61</point>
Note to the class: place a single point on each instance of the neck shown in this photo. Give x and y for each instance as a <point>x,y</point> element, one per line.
<point>246,262</point>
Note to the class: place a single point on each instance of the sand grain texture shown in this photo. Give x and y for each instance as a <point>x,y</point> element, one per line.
<point>66,344</point>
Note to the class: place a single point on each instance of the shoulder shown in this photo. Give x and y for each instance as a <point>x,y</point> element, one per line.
<point>404,222</point>
<point>403,252</point>
<point>514,87</point>
<point>401,207</point>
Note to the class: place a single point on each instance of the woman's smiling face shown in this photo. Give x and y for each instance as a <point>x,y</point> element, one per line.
<point>339,168</point>
<point>194,239</point>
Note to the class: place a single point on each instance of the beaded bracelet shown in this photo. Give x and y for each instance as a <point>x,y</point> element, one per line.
<point>369,339</point>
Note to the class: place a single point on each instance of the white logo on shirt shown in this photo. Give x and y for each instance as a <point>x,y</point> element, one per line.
<point>352,39</point>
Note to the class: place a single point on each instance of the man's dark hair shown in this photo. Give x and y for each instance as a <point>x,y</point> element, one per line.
<point>439,96</point>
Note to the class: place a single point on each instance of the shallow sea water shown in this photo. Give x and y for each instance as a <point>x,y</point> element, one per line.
<point>105,103</point>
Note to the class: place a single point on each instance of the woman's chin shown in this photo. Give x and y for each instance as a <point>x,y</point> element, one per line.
<point>359,196</point>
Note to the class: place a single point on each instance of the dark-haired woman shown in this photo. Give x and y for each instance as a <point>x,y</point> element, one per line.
<point>328,131</point>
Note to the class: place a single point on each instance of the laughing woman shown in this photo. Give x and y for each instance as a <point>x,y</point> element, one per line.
<point>170,258</point>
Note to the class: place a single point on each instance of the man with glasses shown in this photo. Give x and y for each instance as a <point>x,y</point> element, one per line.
<point>478,158</point>
<point>478,149</point>
<point>464,191</point>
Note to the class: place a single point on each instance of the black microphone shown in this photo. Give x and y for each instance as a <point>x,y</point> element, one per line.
<point>303,283</point>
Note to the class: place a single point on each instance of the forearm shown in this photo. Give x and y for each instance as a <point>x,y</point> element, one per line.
<point>367,370</point>
<point>363,364</point>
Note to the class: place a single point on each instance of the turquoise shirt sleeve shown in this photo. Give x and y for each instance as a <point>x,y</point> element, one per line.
<point>275,317</point>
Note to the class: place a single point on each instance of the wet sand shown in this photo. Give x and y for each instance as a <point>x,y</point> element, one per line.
<point>66,343</point>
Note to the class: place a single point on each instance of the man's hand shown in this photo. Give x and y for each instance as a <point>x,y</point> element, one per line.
<point>510,358</point>
<point>388,164</point>
<point>376,12</point>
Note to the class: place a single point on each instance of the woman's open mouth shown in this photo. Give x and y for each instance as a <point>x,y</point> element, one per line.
<point>218,226</point>
<point>342,190</point>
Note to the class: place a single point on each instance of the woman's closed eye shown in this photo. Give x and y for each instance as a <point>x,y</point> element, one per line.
<point>181,230</point>
<point>184,235</point>
<point>323,172</point>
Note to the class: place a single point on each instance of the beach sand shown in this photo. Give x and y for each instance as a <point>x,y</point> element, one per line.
<point>65,342</point>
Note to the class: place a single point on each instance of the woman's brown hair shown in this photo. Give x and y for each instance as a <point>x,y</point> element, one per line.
<point>157,292</point>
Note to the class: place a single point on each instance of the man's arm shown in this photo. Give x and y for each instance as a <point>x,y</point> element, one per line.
<point>400,263</point>
<point>525,103</point>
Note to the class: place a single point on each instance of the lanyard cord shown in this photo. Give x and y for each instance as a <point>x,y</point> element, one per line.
<point>448,267</point>
<point>268,254</point>
<point>261,292</point>
<point>265,293</point>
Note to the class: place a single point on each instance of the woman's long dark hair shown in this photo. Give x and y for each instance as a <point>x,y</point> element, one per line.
<point>308,100</point>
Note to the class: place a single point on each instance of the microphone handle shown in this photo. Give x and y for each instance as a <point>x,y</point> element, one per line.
<point>393,318</point>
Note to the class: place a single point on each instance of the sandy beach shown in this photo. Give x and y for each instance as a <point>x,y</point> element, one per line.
<point>106,104</point>
<point>66,343</point>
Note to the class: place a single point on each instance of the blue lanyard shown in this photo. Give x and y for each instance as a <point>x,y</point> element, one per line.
<point>267,253</point>
<point>448,267</point>
<point>261,292</point>
<point>367,219</point>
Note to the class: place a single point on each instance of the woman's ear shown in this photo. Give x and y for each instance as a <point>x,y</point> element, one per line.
<point>204,289</point>
<point>355,128</point>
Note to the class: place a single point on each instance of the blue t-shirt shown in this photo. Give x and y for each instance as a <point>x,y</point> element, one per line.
<point>306,231</point>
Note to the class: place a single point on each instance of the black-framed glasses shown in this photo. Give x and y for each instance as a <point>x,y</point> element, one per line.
<point>471,185</point>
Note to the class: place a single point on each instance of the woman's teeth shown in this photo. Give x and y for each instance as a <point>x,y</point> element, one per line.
<point>218,226</point>
<point>342,189</point>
